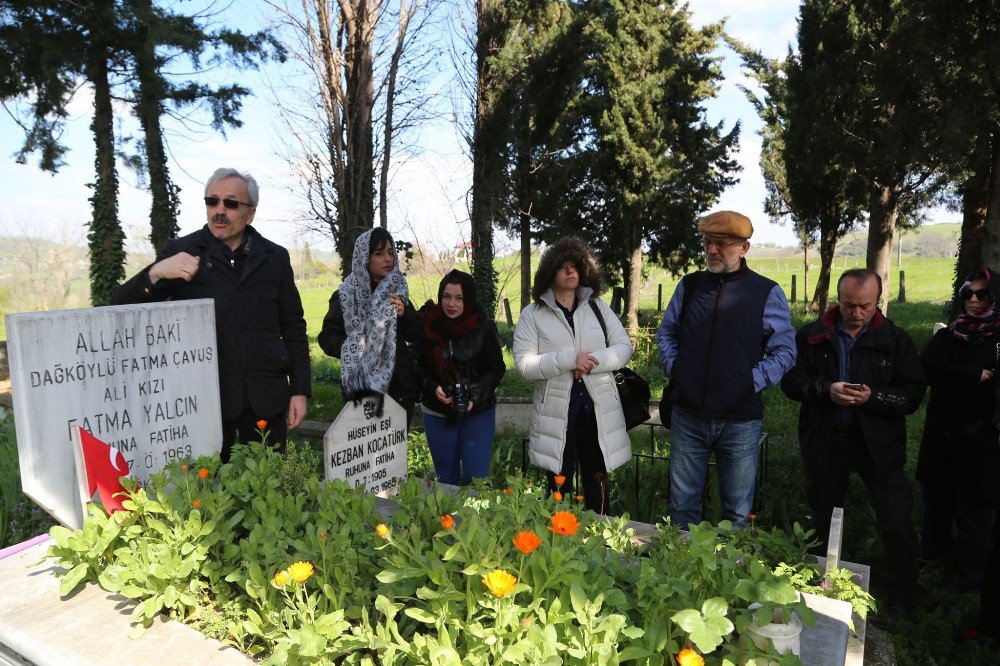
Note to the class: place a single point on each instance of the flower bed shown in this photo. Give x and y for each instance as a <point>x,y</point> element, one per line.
<point>291,570</point>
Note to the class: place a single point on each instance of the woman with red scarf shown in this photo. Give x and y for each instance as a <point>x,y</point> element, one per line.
<point>959,453</point>
<point>459,366</point>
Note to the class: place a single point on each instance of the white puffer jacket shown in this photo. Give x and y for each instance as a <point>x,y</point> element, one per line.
<point>545,350</point>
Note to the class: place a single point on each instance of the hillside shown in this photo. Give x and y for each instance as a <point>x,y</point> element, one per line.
<point>928,241</point>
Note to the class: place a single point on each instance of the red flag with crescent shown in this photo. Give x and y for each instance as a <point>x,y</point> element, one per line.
<point>105,467</point>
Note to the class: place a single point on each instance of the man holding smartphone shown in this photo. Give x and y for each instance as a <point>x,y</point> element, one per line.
<point>857,376</point>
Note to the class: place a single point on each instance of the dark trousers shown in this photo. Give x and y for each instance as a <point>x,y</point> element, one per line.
<point>952,500</point>
<point>890,495</point>
<point>244,429</point>
<point>989,593</point>
<point>582,444</point>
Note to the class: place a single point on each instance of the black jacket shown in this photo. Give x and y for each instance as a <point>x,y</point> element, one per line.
<point>884,359</point>
<point>478,360</point>
<point>403,385</point>
<point>260,328</point>
<point>960,435</point>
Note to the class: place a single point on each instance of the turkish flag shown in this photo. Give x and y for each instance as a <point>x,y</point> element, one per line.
<point>105,467</point>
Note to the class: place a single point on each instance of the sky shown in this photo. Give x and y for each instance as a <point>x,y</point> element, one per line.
<point>428,191</point>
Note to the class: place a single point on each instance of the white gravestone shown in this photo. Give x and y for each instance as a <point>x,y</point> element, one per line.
<point>142,378</point>
<point>365,450</point>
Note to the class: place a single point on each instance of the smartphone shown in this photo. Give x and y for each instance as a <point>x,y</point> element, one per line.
<point>856,387</point>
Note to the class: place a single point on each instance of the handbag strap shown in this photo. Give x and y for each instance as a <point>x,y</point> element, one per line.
<point>600,318</point>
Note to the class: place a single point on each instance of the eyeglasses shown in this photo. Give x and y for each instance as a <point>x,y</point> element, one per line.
<point>709,242</point>
<point>981,294</point>
<point>231,204</point>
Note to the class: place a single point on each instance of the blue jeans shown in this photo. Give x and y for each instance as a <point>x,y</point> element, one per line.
<point>736,444</point>
<point>461,449</point>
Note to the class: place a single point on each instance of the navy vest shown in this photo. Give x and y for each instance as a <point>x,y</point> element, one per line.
<point>719,340</point>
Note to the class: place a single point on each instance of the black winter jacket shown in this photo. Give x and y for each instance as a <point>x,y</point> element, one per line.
<point>960,436</point>
<point>478,360</point>
<point>884,359</point>
<point>260,328</point>
<point>403,385</point>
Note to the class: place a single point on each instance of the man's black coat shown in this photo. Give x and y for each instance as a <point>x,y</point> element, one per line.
<point>884,359</point>
<point>260,328</point>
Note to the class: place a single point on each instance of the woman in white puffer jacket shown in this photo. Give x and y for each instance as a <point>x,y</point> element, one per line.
<point>576,413</point>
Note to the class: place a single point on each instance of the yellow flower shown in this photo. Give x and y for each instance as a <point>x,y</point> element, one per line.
<point>447,522</point>
<point>280,579</point>
<point>203,473</point>
<point>499,583</point>
<point>526,542</point>
<point>301,571</point>
<point>565,523</point>
<point>382,530</point>
<point>560,480</point>
<point>688,657</point>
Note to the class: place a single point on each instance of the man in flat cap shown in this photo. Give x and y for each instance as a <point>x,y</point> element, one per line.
<point>726,336</point>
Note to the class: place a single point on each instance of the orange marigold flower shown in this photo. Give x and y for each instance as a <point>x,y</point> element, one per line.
<point>382,530</point>
<point>752,516</point>
<point>301,571</point>
<point>507,491</point>
<point>499,583</point>
<point>557,496</point>
<point>447,522</point>
<point>196,503</point>
<point>184,468</point>
<point>261,424</point>
<point>565,523</point>
<point>688,657</point>
<point>560,480</point>
<point>322,535</point>
<point>527,542</point>
<point>203,472</point>
<point>579,498</point>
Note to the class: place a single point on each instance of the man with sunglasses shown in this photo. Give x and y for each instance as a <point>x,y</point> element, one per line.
<point>261,331</point>
<point>725,337</point>
<point>858,376</point>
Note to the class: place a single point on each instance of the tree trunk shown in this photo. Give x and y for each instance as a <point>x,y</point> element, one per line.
<point>882,212</point>
<point>634,277</point>
<point>390,99</point>
<point>149,108</point>
<point>975,205</point>
<point>358,195</point>
<point>805,268</point>
<point>991,228</point>
<point>525,259</point>
<point>827,247</point>
<point>106,238</point>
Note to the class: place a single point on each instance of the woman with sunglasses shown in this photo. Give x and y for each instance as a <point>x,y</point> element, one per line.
<point>959,453</point>
<point>370,323</point>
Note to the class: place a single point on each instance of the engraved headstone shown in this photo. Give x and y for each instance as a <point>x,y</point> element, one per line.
<point>142,378</point>
<point>366,450</point>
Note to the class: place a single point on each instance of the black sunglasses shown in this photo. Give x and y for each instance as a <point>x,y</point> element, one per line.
<point>981,294</point>
<point>231,204</point>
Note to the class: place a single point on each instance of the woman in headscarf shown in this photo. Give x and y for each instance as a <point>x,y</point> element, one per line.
<point>958,462</point>
<point>459,366</point>
<point>561,343</point>
<point>370,322</point>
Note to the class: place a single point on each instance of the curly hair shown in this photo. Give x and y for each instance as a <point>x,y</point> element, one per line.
<point>566,249</point>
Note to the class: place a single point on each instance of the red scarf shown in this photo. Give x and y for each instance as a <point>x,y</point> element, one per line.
<point>439,329</point>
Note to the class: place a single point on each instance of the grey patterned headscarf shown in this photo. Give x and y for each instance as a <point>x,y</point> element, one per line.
<point>368,356</point>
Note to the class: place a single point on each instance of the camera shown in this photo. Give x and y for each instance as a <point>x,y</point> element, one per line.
<point>459,394</point>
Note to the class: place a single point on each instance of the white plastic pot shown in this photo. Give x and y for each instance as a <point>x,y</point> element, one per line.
<point>786,637</point>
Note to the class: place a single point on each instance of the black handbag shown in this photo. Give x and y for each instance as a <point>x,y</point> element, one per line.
<point>633,390</point>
